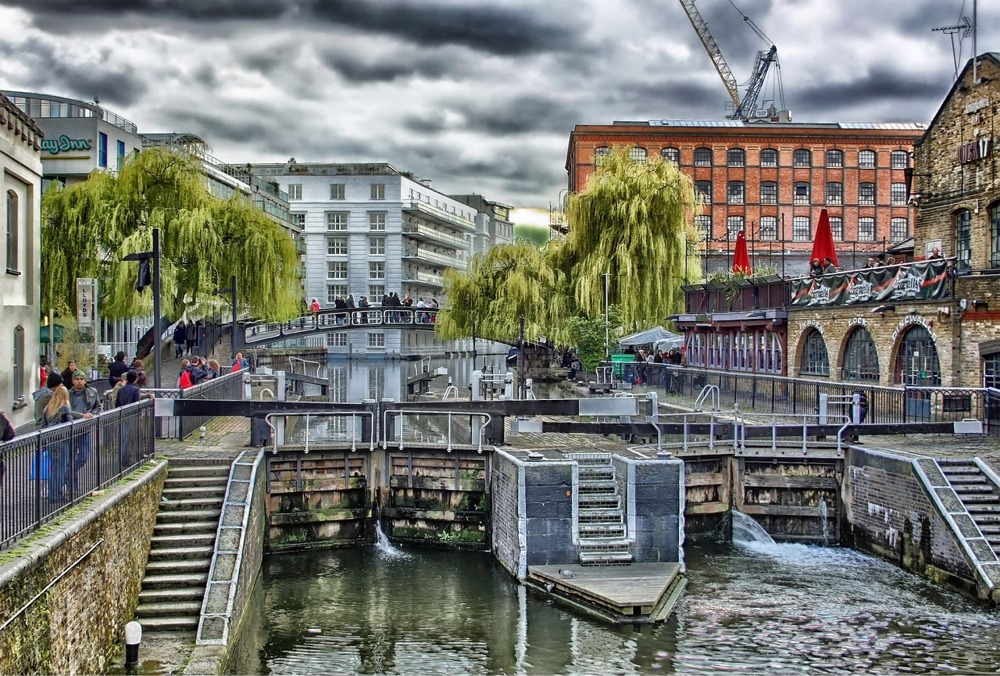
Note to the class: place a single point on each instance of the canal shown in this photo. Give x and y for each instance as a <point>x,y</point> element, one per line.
<point>748,608</point>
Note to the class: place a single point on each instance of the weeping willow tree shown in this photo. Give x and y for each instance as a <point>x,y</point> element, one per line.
<point>88,228</point>
<point>634,222</point>
<point>502,285</point>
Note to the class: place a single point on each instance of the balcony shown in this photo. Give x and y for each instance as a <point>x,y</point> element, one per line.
<point>439,214</point>
<point>458,259</point>
<point>424,278</point>
<point>420,231</point>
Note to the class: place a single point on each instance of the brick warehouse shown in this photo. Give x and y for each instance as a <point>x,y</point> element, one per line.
<point>947,337</point>
<point>773,179</point>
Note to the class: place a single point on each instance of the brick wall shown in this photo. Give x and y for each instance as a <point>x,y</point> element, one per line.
<point>887,513</point>
<point>73,626</point>
<point>506,543</point>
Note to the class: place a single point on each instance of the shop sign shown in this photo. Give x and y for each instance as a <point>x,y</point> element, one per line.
<point>922,280</point>
<point>64,143</point>
<point>84,302</point>
<point>975,150</point>
<point>812,324</point>
<point>910,320</point>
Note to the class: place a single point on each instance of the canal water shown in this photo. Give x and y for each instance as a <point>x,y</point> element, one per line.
<point>748,608</point>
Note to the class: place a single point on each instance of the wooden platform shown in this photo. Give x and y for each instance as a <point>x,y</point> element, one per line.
<point>640,592</point>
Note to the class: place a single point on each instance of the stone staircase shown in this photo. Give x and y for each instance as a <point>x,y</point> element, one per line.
<point>601,519</point>
<point>183,541</point>
<point>979,495</point>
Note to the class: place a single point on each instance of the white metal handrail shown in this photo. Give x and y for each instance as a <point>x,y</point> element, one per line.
<point>402,416</point>
<point>685,434</point>
<point>345,414</point>
<point>293,360</point>
<point>709,392</point>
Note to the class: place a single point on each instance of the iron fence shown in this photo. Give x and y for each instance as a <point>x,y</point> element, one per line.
<point>991,420</point>
<point>800,396</point>
<point>227,386</point>
<point>44,473</point>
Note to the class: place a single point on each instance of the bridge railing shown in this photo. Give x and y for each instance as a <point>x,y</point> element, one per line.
<point>46,472</point>
<point>226,386</point>
<point>333,320</point>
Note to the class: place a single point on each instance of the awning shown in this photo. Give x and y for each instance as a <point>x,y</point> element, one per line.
<point>649,337</point>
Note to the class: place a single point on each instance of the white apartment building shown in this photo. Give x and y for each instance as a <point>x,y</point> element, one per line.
<point>371,229</point>
<point>21,185</point>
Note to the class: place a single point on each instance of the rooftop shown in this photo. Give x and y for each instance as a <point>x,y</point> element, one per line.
<point>898,126</point>
<point>41,106</point>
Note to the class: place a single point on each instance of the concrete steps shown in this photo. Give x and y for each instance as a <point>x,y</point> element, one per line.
<point>600,518</point>
<point>979,495</point>
<point>181,550</point>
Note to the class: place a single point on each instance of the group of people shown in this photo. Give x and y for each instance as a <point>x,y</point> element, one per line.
<point>818,269</point>
<point>882,261</point>
<point>197,370</point>
<point>388,301</point>
<point>186,337</point>
<point>672,356</point>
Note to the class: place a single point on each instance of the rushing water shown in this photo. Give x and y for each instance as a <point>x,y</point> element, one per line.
<point>753,608</point>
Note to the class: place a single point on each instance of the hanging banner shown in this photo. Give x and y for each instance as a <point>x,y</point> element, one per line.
<point>922,280</point>
<point>84,302</point>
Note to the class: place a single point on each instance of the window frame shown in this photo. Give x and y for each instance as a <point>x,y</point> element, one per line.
<point>768,192</point>
<point>671,155</point>
<point>994,215</point>
<point>894,231</point>
<point>707,194</point>
<point>834,194</point>
<point>770,152</point>
<point>333,218</point>
<point>797,158</point>
<point>294,191</point>
<point>376,270</point>
<point>768,234</point>
<point>899,159</point>
<point>338,191</point>
<point>638,155</point>
<point>897,194</point>
<point>102,149</point>
<point>373,248</point>
<point>297,218</point>
<point>735,192</point>
<point>837,228</point>
<point>13,234</point>
<point>835,158</point>
<point>861,357</point>
<point>801,197</point>
<point>600,153</point>
<point>377,192</point>
<point>864,155</point>
<point>866,197</point>
<point>815,360</point>
<point>706,159</point>
<point>734,224</point>
<point>337,245</point>
<point>801,233</point>
<point>703,226</point>
<point>963,239</point>
<point>334,290</point>
<point>337,270</point>
<point>864,234</point>
<point>736,157</point>
<point>377,221</point>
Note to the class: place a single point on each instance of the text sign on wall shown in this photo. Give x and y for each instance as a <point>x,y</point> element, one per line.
<point>974,150</point>
<point>64,143</point>
<point>84,302</point>
<point>922,280</point>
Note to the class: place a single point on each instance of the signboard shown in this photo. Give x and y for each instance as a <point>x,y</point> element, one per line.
<point>923,280</point>
<point>84,302</point>
<point>63,143</point>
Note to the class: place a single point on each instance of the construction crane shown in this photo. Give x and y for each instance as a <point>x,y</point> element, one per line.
<point>743,108</point>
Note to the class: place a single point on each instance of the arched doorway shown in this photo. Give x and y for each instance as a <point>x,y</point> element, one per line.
<point>860,357</point>
<point>917,366</point>
<point>815,360</point>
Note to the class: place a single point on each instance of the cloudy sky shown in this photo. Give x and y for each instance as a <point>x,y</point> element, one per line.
<point>478,96</point>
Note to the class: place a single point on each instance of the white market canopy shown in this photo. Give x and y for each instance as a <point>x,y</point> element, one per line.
<point>651,337</point>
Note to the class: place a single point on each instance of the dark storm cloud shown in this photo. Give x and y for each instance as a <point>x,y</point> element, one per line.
<point>519,115</point>
<point>672,98</point>
<point>63,13</point>
<point>881,85</point>
<point>481,27</point>
<point>366,68</point>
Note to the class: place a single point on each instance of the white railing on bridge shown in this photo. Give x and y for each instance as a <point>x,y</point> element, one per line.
<point>336,320</point>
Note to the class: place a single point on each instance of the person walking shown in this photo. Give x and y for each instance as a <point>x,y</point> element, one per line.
<point>58,412</point>
<point>43,395</point>
<point>82,399</point>
<point>141,377</point>
<point>191,335</point>
<point>315,308</point>
<point>67,373</point>
<point>180,336</point>
<point>7,433</point>
<point>117,369</point>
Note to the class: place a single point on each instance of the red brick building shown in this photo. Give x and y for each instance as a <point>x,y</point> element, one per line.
<point>772,179</point>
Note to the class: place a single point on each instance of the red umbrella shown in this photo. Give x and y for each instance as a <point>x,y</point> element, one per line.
<point>741,259</point>
<point>823,244</point>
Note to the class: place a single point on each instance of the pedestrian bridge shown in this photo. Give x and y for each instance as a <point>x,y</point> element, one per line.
<point>413,319</point>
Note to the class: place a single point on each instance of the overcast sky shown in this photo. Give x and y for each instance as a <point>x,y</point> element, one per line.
<point>478,96</point>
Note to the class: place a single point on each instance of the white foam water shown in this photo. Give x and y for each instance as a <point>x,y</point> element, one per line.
<point>385,547</point>
<point>746,531</point>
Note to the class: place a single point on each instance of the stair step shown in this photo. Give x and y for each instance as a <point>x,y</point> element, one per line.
<point>152,624</point>
<point>165,594</point>
<point>599,515</point>
<point>169,609</point>
<point>982,517</point>
<point>606,485</point>
<point>978,478</point>
<point>209,493</point>
<point>989,528</point>
<point>211,480</point>
<point>979,498</point>
<point>181,471</point>
<point>178,567</point>
<point>594,500</point>
<point>188,515</point>
<point>175,580</point>
<point>160,554</point>
<point>186,528</point>
<point>188,504</point>
<point>596,530</point>
<point>206,539</point>
<point>604,543</point>
<point>604,558</point>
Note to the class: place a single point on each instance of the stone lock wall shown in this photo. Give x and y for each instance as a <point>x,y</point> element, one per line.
<point>73,626</point>
<point>505,538</point>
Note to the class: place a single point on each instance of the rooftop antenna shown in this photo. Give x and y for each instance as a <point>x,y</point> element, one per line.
<point>963,30</point>
<point>975,54</point>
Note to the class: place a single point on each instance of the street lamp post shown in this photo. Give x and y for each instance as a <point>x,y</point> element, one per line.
<point>232,293</point>
<point>157,329</point>
<point>607,329</point>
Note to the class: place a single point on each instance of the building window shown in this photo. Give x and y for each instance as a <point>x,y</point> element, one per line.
<point>335,290</point>
<point>376,221</point>
<point>768,157</point>
<point>815,359</point>
<point>768,192</point>
<point>703,224</point>
<point>769,228</point>
<point>834,193</point>
<point>376,246</point>
<point>734,192</point>
<point>866,159</point>
<point>837,228</point>
<point>866,229</point>
<point>121,155</point>
<point>734,224</point>
<point>294,191</point>
<point>375,292</point>
<point>637,154</point>
<point>378,191</point>
<point>898,229</point>
<point>703,189</point>
<point>702,157</point>
<point>298,219</point>
<point>917,360</point>
<point>802,158</point>
<point>860,357</point>
<point>866,194</point>
<point>736,157</point>
<point>376,340</point>
<point>376,270</point>
<point>835,158</point>
<point>671,154</point>
<point>17,372</point>
<point>336,246</point>
<point>336,339</point>
<point>336,221</point>
<point>13,226</point>
<point>338,191</point>
<point>963,240</point>
<point>897,193</point>
<point>991,370</point>
<point>102,149</point>
<point>600,154</point>
<point>899,159</point>
<point>800,229</point>
<point>995,235</point>
<point>336,270</point>
<point>800,193</point>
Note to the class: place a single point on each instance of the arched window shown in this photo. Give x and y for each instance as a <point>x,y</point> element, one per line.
<point>815,359</point>
<point>702,157</point>
<point>637,154</point>
<point>917,360</point>
<point>860,357</point>
<point>12,231</point>
<point>734,192</point>
<point>17,376</point>
<point>768,157</point>
<point>866,159</point>
<point>963,240</point>
<point>995,235</point>
<point>768,192</point>
<point>835,193</point>
<point>802,158</point>
<point>736,157</point>
<point>671,154</point>
<point>600,154</point>
<point>899,159</point>
<point>834,158</point>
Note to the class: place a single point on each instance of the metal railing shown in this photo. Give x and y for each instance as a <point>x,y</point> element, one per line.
<point>322,428</point>
<point>46,472</point>
<point>327,320</point>
<point>228,386</point>
<point>991,410</point>
<point>797,396</point>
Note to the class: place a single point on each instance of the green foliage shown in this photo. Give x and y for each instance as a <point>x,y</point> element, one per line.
<point>588,336</point>
<point>87,229</point>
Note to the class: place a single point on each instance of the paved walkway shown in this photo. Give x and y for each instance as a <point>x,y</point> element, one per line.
<point>224,438</point>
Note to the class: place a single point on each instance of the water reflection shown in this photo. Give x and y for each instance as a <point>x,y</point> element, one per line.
<point>357,379</point>
<point>764,609</point>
